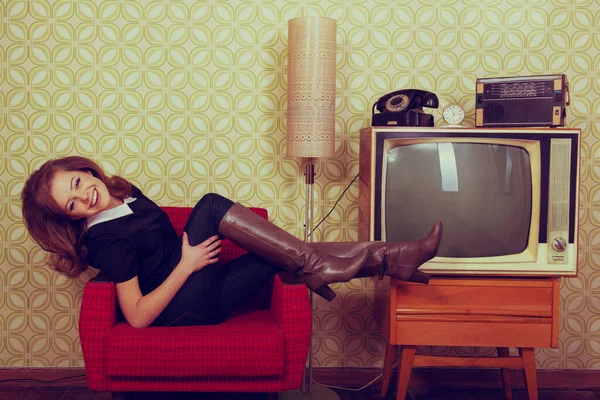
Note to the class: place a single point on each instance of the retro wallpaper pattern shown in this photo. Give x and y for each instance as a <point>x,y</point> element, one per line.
<point>187,97</point>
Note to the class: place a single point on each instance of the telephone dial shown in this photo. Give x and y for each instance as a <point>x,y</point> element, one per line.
<point>404,108</point>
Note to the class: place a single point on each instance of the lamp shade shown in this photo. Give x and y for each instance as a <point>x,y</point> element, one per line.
<point>311,87</point>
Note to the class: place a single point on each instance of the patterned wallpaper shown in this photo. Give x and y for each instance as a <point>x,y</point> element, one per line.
<point>186,97</point>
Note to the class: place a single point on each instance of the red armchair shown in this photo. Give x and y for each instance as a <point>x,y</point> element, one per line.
<point>259,350</point>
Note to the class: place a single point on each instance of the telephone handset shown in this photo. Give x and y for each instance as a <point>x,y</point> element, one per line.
<point>405,108</point>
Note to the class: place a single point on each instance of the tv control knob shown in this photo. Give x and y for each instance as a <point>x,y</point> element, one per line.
<point>559,244</point>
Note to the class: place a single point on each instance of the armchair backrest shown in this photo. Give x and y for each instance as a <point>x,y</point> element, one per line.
<point>180,215</point>
<point>229,250</point>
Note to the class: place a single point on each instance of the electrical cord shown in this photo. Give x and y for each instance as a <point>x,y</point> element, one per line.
<point>351,389</point>
<point>333,208</point>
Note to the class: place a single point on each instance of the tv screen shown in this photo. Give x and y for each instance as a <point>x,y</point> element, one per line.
<point>482,192</point>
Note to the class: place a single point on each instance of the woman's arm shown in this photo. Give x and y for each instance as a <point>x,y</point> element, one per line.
<point>140,310</point>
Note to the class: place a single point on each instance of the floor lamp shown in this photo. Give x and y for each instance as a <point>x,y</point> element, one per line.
<point>311,126</point>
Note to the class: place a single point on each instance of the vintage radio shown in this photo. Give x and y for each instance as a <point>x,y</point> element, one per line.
<point>539,100</point>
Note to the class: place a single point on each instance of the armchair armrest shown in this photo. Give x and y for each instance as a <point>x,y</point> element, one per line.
<point>98,316</point>
<point>292,312</point>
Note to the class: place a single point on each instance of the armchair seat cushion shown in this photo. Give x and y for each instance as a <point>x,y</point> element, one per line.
<point>245,345</point>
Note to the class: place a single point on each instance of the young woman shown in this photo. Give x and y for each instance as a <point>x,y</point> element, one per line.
<point>81,217</point>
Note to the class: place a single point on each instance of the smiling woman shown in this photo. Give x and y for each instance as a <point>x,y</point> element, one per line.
<point>80,216</point>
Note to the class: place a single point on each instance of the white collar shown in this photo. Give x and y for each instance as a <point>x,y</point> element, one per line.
<point>112,213</point>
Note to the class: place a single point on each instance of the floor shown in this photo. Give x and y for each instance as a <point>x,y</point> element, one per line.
<point>366,394</point>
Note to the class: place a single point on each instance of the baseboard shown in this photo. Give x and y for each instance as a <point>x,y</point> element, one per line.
<point>351,377</point>
<point>43,377</point>
<point>479,378</point>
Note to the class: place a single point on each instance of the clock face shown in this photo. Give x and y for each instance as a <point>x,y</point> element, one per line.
<point>453,114</point>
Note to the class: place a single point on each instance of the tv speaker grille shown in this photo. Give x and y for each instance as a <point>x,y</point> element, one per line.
<point>560,183</point>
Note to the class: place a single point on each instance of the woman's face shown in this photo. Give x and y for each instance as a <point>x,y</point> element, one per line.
<point>80,194</point>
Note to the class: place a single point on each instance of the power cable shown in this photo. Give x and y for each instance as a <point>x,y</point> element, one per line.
<point>332,208</point>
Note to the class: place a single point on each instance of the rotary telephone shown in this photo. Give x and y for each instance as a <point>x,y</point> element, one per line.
<point>404,108</point>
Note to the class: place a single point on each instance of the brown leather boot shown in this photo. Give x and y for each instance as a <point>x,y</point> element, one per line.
<point>398,260</point>
<point>315,267</point>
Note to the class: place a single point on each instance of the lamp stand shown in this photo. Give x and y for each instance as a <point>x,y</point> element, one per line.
<point>319,392</point>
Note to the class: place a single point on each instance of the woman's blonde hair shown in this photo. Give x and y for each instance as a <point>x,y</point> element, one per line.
<point>48,223</point>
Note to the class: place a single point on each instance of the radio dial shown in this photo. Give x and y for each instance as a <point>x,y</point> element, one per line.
<point>559,244</point>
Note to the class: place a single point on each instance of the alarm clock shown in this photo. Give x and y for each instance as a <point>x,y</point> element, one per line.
<point>453,114</point>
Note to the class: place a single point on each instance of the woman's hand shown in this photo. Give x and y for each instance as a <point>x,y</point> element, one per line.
<point>194,258</point>
<point>140,310</point>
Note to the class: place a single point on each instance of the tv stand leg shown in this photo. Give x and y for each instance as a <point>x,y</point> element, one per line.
<point>407,357</point>
<point>388,363</point>
<point>506,381</point>
<point>528,356</point>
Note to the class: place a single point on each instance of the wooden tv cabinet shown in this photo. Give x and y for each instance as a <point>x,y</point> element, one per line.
<point>459,311</point>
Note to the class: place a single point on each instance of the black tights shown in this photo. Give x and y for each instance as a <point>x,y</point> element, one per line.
<point>212,294</point>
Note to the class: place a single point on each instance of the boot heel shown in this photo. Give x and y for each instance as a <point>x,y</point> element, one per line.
<point>325,292</point>
<point>316,285</point>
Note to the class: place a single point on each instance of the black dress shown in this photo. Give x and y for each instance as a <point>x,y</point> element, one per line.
<point>144,244</point>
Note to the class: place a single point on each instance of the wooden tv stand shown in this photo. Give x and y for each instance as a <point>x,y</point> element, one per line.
<point>459,311</point>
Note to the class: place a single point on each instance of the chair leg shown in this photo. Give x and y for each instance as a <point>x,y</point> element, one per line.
<point>406,361</point>
<point>388,364</point>
<point>506,381</point>
<point>528,356</point>
<point>123,395</point>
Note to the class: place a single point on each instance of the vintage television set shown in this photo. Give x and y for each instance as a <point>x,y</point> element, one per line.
<point>508,197</point>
